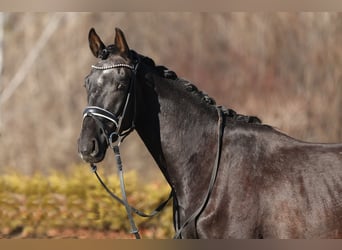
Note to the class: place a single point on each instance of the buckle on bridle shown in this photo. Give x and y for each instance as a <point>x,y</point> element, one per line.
<point>113,138</point>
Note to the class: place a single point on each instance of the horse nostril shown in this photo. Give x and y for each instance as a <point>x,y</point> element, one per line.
<point>91,148</point>
<point>95,147</point>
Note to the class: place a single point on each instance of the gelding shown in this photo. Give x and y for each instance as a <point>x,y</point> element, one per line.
<point>231,176</point>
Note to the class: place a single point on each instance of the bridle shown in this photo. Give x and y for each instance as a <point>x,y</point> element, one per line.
<point>117,136</point>
<point>98,113</point>
<point>114,139</point>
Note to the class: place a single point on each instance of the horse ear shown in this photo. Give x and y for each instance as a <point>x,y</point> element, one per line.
<point>120,42</point>
<point>95,43</point>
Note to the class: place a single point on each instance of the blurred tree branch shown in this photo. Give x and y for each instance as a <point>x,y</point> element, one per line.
<point>21,73</point>
<point>1,55</point>
<point>1,41</point>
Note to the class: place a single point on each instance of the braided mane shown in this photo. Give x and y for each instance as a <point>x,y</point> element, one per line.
<point>169,74</point>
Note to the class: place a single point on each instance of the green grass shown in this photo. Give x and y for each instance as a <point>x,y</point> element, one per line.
<point>38,203</point>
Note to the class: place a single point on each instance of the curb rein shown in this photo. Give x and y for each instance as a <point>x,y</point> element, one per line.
<point>114,140</point>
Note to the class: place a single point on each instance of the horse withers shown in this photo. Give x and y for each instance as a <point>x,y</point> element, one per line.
<point>231,176</point>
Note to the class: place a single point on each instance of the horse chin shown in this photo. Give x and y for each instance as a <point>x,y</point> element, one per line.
<point>94,158</point>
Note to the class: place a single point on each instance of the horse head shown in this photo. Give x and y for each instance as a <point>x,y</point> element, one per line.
<point>109,87</point>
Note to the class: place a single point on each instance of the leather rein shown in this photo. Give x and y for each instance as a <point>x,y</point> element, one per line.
<point>114,140</point>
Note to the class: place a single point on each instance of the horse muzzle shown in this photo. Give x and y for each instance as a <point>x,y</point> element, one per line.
<point>92,150</point>
<point>94,138</point>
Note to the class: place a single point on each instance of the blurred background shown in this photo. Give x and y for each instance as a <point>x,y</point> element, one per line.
<point>285,68</point>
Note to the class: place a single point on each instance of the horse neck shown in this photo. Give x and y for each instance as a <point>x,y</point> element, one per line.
<point>179,130</point>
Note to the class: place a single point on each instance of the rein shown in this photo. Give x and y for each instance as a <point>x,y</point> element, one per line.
<point>123,201</point>
<point>200,209</point>
<point>114,140</point>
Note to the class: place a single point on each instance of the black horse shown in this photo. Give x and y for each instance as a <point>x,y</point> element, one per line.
<point>231,176</point>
